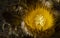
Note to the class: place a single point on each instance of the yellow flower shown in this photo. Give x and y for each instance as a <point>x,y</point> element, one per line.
<point>39,19</point>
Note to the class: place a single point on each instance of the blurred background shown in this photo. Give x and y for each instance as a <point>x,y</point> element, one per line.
<point>12,13</point>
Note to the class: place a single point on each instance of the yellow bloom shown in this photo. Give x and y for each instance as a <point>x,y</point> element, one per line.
<point>39,19</point>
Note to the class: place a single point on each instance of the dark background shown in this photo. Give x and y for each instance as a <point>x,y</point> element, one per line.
<point>9,12</point>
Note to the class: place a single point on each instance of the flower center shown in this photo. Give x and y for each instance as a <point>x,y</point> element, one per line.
<point>40,20</point>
